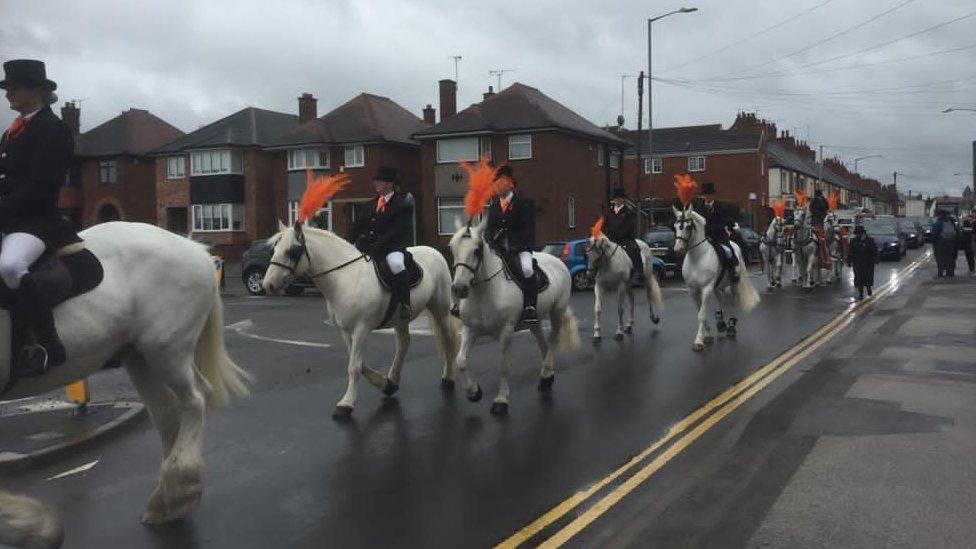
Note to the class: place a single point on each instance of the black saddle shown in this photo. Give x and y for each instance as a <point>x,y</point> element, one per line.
<point>512,267</point>
<point>384,274</point>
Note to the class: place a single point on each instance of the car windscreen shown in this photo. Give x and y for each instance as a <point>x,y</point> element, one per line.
<point>875,228</point>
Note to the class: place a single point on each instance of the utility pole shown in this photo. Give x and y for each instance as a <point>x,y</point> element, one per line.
<point>499,74</point>
<point>623,79</point>
<point>640,121</point>
<point>820,169</point>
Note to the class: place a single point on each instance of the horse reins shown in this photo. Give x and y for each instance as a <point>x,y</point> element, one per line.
<point>480,252</point>
<point>296,252</point>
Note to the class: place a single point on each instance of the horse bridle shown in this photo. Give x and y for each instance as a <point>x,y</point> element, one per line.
<point>296,251</point>
<point>603,254</point>
<point>479,254</point>
<point>774,243</point>
<point>682,221</point>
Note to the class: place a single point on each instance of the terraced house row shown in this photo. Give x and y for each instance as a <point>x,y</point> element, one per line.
<point>229,182</point>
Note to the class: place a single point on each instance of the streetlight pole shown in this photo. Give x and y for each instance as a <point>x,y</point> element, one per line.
<point>858,175</point>
<point>650,108</point>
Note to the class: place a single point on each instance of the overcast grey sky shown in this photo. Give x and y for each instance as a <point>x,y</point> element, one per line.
<point>193,61</point>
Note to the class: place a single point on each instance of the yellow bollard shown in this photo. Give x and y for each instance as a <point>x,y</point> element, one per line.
<point>78,393</point>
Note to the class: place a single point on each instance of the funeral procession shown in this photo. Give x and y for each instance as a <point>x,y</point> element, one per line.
<point>429,274</point>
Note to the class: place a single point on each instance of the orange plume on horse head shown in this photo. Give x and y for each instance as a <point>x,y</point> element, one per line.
<point>597,229</point>
<point>801,197</point>
<point>318,190</point>
<point>833,201</point>
<point>481,185</point>
<point>687,188</point>
<point>779,207</point>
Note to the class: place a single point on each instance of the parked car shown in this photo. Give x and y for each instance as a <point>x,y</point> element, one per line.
<point>889,222</point>
<point>889,243</point>
<point>912,231</point>
<point>573,254</point>
<point>254,264</point>
<point>661,241</point>
<point>751,240</point>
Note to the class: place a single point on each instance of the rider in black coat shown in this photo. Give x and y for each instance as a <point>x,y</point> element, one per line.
<point>511,233</point>
<point>385,234</point>
<point>717,221</point>
<point>620,226</point>
<point>818,209</point>
<point>35,155</point>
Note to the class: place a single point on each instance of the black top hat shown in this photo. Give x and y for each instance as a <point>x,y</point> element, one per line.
<point>386,173</point>
<point>27,72</point>
<point>707,189</point>
<point>505,171</point>
<point>619,192</point>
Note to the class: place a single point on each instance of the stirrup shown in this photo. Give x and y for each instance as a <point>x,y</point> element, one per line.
<point>33,361</point>
<point>529,315</point>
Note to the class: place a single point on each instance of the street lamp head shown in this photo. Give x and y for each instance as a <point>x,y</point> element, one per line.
<point>687,10</point>
<point>950,109</point>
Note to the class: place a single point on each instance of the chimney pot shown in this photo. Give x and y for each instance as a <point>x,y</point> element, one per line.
<point>489,93</point>
<point>307,108</point>
<point>71,115</point>
<point>448,97</point>
<point>429,115</point>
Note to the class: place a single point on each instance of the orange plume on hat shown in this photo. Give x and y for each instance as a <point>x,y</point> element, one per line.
<point>481,185</point>
<point>597,229</point>
<point>687,188</point>
<point>801,198</point>
<point>318,189</point>
<point>778,206</point>
<point>833,201</point>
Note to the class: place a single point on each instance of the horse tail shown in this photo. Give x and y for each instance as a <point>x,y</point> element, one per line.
<point>568,331</point>
<point>222,375</point>
<point>446,330</point>
<point>747,294</point>
<point>654,291</point>
<point>26,522</point>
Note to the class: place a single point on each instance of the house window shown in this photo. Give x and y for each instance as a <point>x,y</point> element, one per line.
<point>652,163</point>
<point>599,155</point>
<point>571,211</point>
<point>218,217</point>
<point>463,148</point>
<point>300,159</point>
<point>175,167</point>
<point>614,159</point>
<point>355,157</point>
<point>784,183</point>
<point>292,212</point>
<point>450,213</point>
<point>696,163</point>
<point>519,147</point>
<point>216,162</point>
<point>107,170</point>
<point>321,220</point>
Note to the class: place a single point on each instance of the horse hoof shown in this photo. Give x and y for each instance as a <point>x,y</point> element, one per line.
<point>447,385</point>
<point>698,347</point>
<point>342,412</point>
<point>545,383</point>
<point>629,330</point>
<point>721,326</point>
<point>618,336</point>
<point>655,319</point>
<point>476,395</point>
<point>709,339</point>
<point>499,408</point>
<point>597,340</point>
<point>390,388</point>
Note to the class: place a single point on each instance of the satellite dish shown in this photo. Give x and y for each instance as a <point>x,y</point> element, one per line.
<point>620,120</point>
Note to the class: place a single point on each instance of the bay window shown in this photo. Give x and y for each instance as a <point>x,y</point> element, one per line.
<point>218,217</point>
<point>216,162</point>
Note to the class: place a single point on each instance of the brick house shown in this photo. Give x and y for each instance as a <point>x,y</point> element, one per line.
<point>355,138</point>
<point>113,177</point>
<point>733,159</point>
<point>793,167</point>
<point>216,183</point>
<point>563,162</point>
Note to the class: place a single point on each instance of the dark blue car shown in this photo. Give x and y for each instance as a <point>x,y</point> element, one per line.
<point>573,254</point>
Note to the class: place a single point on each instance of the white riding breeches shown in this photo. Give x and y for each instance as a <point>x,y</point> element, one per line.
<point>525,261</point>
<point>395,261</point>
<point>18,252</point>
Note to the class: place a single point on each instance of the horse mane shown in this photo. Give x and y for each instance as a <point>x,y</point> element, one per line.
<point>475,232</point>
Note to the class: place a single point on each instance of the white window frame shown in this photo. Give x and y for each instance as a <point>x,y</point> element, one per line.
<point>614,160</point>
<point>108,172</point>
<point>446,231</point>
<point>216,162</point>
<point>358,156</point>
<point>654,164</point>
<point>226,223</point>
<point>571,211</point>
<point>480,150</point>
<point>599,155</point>
<point>696,163</point>
<point>519,141</point>
<point>298,159</point>
<point>175,167</point>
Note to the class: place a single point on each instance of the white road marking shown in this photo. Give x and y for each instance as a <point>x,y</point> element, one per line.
<point>75,471</point>
<point>243,325</point>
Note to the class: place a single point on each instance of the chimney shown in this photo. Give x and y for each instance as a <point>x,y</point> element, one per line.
<point>448,89</point>
<point>489,94</point>
<point>307,108</point>
<point>71,115</point>
<point>429,115</point>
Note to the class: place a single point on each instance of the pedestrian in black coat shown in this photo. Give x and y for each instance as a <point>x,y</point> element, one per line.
<point>511,232</point>
<point>862,255</point>
<point>967,233</point>
<point>35,154</point>
<point>620,226</point>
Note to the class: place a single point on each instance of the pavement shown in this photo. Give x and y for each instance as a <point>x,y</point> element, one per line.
<point>432,469</point>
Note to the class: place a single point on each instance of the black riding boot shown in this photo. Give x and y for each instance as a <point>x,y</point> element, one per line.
<point>401,293</point>
<point>48,351</point>
<point>529,295</point>
<point>637,272</point>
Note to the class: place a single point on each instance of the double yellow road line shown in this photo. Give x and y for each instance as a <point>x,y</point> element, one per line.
<point>685,432</point>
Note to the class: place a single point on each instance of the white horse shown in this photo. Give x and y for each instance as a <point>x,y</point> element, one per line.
<point>158,309</point>
<point>702,271</point>
<point>612,266</point>
<point>835,246</point>
<point>772,248</point>
<point>357,301</point>
<point>491,305</point>
<point>806,251</point>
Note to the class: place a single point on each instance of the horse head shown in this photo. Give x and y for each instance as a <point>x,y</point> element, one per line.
<point>596,250</point>
<point>687,222</point>
<point>289,258</point>
<point>775,231</point>
<point>468,249</point>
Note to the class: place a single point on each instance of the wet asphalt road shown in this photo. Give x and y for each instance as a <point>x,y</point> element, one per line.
<point>423,469</point>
